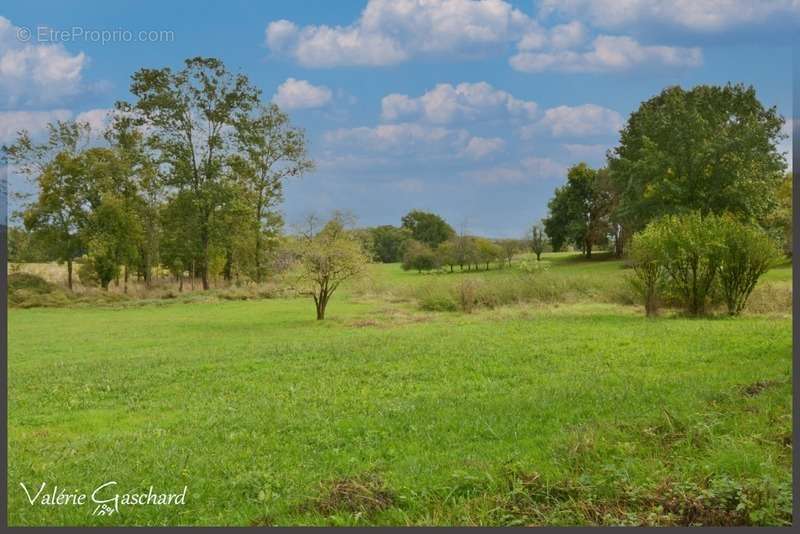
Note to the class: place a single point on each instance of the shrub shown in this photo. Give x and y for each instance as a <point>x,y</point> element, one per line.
<point>648,279</point>
<point>689,247</point>
<point>748,254</point>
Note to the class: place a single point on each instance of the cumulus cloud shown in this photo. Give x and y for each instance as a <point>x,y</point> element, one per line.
<point>528,170</point>
<point>392,31</point>
<point>575,121</point>
<point>35,122</point>
<point>706,16</point>
<point>606,54</point>
<point>300,94</point>
<point>480,147</point>
<point>414,139</point>
<point>446,103</point>
<point>32,74</point>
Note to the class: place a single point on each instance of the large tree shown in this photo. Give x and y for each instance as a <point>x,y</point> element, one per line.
<point>711,149</point>
<point>427,228</point>
<point>271,150</point>
<point>189,117</point>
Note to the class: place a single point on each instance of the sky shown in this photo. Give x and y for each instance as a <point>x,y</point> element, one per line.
<point>473,109</point>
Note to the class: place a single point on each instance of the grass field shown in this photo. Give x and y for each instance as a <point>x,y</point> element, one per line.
<point>570,413</point>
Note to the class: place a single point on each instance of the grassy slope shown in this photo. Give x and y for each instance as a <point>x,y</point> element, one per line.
<point>254,404</point>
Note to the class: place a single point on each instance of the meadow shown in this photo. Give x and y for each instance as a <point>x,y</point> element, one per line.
<point>553,402</point>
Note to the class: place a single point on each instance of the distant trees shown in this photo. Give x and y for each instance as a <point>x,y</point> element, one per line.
<point>325,260</point>
<point>427,228</point>
<point>388,242</point>
<point>579,211</point>
<point>419,256</point>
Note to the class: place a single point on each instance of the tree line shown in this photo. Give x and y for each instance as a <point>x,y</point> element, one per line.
<point>186,176</point>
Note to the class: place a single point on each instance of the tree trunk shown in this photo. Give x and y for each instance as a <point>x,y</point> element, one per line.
<point>69,274</point>
<point>180,283</point>
<point>125,287</point>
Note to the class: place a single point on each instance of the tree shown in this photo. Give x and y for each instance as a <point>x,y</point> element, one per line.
<point>189,116</point>
<point>327,259</point>
<point>427,227</point>
<point>447,253</point>
<point>388,242</point>
<point>709,149</point>
<point>579,211</point>
<point>419,256</point>
<point>59,213</point>
<point>487,251</point>
<point>509,247</point>
<point>538,241</point>
<point>271,151</point>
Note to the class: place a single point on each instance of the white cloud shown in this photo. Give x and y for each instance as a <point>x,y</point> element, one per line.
<point>393,31</point>
<point>33,74</point>
<point>414,139</point>
<point>558,37</point>
<point>35,122</point>
<point>705,16</point>
<point>606,54</point>
<point>527,171</point>
<point>446,103</point>
<point>98,119</point>
<point>299,94</point>
<point>575,121</point>
<point>480,147</point>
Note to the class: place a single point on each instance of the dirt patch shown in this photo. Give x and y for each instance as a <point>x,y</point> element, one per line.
<point>751,390</point>
<point>366,494</point>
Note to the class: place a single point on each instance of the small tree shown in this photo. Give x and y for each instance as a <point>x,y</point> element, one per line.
<point>748,254</point>
<point>487,251</point>
<point>648,268</point>
<point>419,256</point>
<point>510,247</point>
<point>326,260</point>
<point>537,241</point>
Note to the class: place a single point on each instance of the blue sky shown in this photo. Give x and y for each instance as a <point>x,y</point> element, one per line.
<point>470,108</point>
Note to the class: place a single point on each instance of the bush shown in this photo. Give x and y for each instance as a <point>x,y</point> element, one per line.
<point>689,248</point>
<point>697,258</point>
<point>648,279</point>
<point>748,254</point>
<point>29,282</point>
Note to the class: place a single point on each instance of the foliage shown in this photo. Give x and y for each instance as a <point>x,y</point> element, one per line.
<point>189,116</point>
<point>419,256</point>
<point>690,249</point>
<point>649,271</point>
<point>710,149</point>
<point>388,242</point>
<point>325,260</point>
<point>579,211</point>
<point>747,255</point>
<point>427,228</point>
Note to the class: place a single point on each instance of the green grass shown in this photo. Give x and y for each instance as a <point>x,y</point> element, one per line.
<point>383,414</point>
